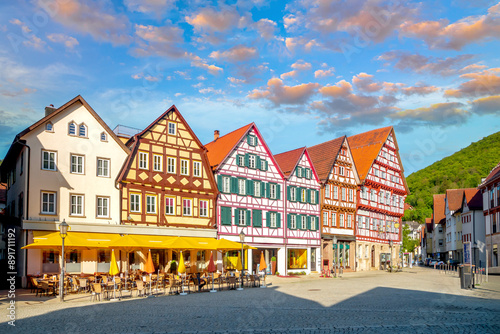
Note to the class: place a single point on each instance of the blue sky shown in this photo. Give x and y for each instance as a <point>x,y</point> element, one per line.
<point>304,71</point>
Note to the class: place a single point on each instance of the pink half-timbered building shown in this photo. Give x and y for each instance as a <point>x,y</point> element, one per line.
<point>303,234</point>
<point>251,198</point>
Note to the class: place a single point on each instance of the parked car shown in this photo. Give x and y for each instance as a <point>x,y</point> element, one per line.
<point>427,261</point>
<point>454,263</point>
<point>439,263</point>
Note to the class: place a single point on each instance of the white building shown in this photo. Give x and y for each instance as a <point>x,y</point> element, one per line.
<point>473,226</point>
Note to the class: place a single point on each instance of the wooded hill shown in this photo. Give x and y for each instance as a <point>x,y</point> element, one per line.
<point>463,169</point>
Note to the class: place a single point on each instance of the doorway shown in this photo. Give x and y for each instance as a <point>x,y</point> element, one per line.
<point>373,256</point>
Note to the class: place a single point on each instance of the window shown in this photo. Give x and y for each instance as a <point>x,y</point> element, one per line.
<point>293,194</point>
<point>76,205</point>
<point>303,222</point>
<point>375,172</point>
<point>351,195</point>
<point>240,160</point>
<point>242,215</point>
<point>197,168</point>
<point>82,130</point>
<point>72,129</point>
<point>242,187</point>
<point>48,203</point>
<point>334,219</point>
<point>102,167</point>
<point>102,207</point>
<point>335,192</point>
<point>171,128</point>
<point>343,194</point>
<point>49,127</point>
<point>273,191</point>
<point>77,164</point>
<point>226,184</point>
<point>273,219</point>
<point>308,173</point>
<point>325,218</point>
<point>104,136</point>
<point>170,165</point>
<point>256,188</point>
<point>169,205</point>
<point>252,140</point>
<point>341,220</point>
<point>349,218</point>
<point>263,165</point>
<point>303,195</point>
<point>366,251</point>
<point>341,170</point>
<point>184,167</point>
<point>187,207</point>
<point>143,160</point>
<point>313,197</point>
<point>135,203</point>
<point>157,163</point>
<point>293,222</point>
<point>151,204</point>
<point>252,161</point>
<point>49,160</point>
<point>381,197</point>
<point>327,191</point>
<point>203,208</point>
<point>313,223</point>
<point>383,175</point>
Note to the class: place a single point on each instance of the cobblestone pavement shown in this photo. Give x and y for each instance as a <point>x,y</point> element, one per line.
<point>419,300</point>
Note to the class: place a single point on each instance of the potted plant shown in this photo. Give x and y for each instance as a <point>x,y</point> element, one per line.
<point>173,267</point>
<point>273,265</point>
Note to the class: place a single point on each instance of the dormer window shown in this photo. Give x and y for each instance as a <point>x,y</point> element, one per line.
<point>104,137</point>
<point>72,129</point>
<point>49,127</point>
<point>82,130</point>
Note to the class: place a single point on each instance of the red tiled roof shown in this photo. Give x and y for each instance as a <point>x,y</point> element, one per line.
<point>323,156</point>
<point>288,160</point>
<point>439,209</point>
<point>365,148</point>
<point>408,206</point>
<point>3,193</point>
<point>219,149</point>
<point>428,224</point>
<point>454,198</point>
<point>492,176</point>
<point>474,198</point>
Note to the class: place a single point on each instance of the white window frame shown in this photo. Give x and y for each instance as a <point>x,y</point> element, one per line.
<point>157,163</point>
<point>341,220</point>
<point>293,194</point>
<point>172,128</point>
<point>197,168</point>
<point>75,128</point>
<point>303,195</point>
<point>102,168</point>
<point>103,207</point>
<point>313,197</point>
<point>327,191</point>
<point>169,209</point>
<point>273,189</point>
<point>242,217</point>
<point>135,201</point>
<point>73,210</point>
<point>79,163</point>
<point>334,219</point>
<point>341,170</point>
<point>242,187</point>
<point>143,160</point>
<point>171,165</point>
<point>226,184</point>
<point>241,161</point>
<point>203,210</point>
<point>51,155</point>
<point>184,167</point>
<point>252,161</point>
<point>84,127</point>
<point>257,188</point>
<point>349,221</point>
<point>335,192</point>
<point>151,204</point>
<point>293,222</point>
<point>50,201</point>
<point>351,195</point>
<point>343,192</point>
<point>303,222</point>
<point>104,136</point>
<point>325,218</point>
<point>313,222</point>
<point>187,210</point>
<point>273,216</point>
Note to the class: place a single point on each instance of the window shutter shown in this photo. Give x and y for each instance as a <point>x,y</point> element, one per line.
<point>238,156</point>
<point>300,194</point>
<point>262,189</point>
<point>246,159</point>
<point>267,166</point>
<point>308,195</point>
<point>249,221</point>
<point>234,185</point>
<point>250,187</point>
<point>267,190</point>
<point>308,222</point>
<point>310,173</point>
<point>257,218</point>
<point>268,219</point>
<point>257,162</point>
<point>278,219</point>
<point>249,140</point>
<point>225,213</point>
<point>289,221</point>
<point>288,193</point>
<point>278,191</point>
<point>219,182</point>
<point>317,196</point>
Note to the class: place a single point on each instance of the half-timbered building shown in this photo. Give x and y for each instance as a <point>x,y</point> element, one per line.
<point>251,200</point>
<point>339,179</point>
<point>303,234</point>
<point>167,183</point>
<point>381,196</point>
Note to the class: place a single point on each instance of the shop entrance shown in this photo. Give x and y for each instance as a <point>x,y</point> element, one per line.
<point>269,253</point>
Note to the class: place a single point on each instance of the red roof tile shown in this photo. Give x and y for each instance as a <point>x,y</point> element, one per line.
<point>288,160</point>
<point>474,198</point>
<point>323,156</point>
<point>219,149</point>
<point>428,224</point>
<point>439,209</point>
<point>492,176</point>
<point>3,193</point>
<point>454,198</point>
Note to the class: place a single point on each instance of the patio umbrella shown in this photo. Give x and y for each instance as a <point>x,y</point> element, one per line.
<point>182,269</point>
<point>212,269</point>
<point>113,271</point>
<point>150,268</point>
<point>263,266</point>
<point>239,266</point>
<point>127,243</point>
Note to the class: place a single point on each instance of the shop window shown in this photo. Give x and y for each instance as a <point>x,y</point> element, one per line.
<point>50,261</point>
<point>297,258</point>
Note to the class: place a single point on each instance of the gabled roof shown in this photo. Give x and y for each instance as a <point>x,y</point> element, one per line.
<point>429,225</point>
<point>324,155</point>
<point>438,210</point>
<point>454,198</point>
<point>219,149</point>
<point>492,177</point>
<point>474,198</point>
<point>288,160</point>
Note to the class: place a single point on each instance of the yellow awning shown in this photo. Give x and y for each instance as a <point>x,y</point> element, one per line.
<point>74,240</point>
<point>224,244</point>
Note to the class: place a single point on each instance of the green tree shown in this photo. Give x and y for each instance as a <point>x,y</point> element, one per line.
<point>409,244</point>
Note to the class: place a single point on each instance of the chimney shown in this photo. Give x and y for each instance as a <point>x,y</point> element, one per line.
<point>216,135</point>
<point>49,110</point>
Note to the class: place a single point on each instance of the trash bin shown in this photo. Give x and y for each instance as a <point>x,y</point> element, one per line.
<point>466,277</point>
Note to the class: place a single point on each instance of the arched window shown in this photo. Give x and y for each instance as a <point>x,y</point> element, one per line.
<point>82,130</point>
<point>72,129</point>
<point>104,137</point>
<point>49,127</point>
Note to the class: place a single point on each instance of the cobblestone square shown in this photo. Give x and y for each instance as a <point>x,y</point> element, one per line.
<point>418,300</point>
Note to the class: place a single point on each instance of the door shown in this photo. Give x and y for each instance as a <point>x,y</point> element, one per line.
<point>313,259</point>
<point>373,256</point>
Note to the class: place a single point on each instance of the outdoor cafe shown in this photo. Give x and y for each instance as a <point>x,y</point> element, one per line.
<point>112,266</point>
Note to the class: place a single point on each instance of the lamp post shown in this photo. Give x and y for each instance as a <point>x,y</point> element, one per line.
<point>337,251</point>
<point>63,231</point>
<point>242,239</point>
<point>390,258</point>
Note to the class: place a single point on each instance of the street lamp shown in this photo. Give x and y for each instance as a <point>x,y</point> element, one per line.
<point>63,231</point>
<point>242,239</point>
<point>390,258</point>
<point>336,262</point>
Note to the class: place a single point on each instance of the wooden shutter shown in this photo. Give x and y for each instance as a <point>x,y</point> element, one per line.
<point>288,193</point>
<point>234,185</point>
<point>289,221</point>
<point>262,189</point>
<point>268,219</point>
<point>219,182</point>
<point>308,222</point>
<point>238,156</point>
<point>246,159</point>
<point>268,192</point>
<point>225,213</point>
<point>308,196</point>
<point>257,162</point>
<point>249,221</point>
<point>249,187</point>
<point>278,219</point>
<point>257,218</point>
<point>249,140</point>
<point>317,196</point>
<point>278,191</point>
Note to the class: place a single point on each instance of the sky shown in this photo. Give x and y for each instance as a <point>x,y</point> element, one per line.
<point>304,71</point>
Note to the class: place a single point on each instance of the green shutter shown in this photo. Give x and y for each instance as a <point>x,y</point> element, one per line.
<point>278,191</point>
<point>266,165</point>
<point>288,192</point>
<point>225,213</point>
<point>234,185</point>
<point>268,190</point>
<point>289,221</point>
<point>257,218</point>
<point>257,162</point>
<point>246,159</point>
<point>296,197</point>
<point>262,189</point>
<point>249,221</point>
<point>317,196</point>
<point>250,187</point>
<point>268,219</point>
<point>249,140</point>
<point>278,219</point>
<point>219,182</point>
<point>238,156</point>
<point>308,222</point>
<point>308,196</point>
